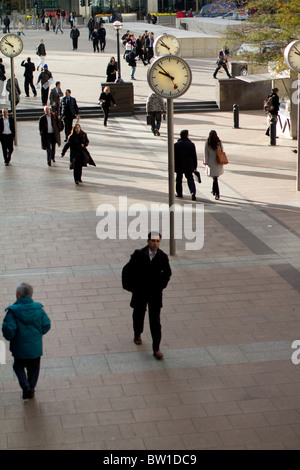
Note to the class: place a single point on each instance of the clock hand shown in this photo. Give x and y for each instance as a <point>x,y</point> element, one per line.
<point>164,45</point>
<point>8,43</point>
<point>166,74</point>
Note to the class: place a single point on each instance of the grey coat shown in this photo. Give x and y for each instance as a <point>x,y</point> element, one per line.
<point>213,168</point>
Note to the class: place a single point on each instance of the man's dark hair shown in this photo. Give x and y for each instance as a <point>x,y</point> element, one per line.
<point>184,134</point>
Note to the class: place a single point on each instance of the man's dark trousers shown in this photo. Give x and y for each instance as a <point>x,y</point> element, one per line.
<point>33,369</point>
<point>138,317</point>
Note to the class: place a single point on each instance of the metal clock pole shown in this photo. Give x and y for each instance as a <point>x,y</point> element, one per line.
<point>170,127</point>
<point>13,96</point>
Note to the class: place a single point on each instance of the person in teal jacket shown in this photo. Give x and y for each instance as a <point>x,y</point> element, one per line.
<point>24,325</point>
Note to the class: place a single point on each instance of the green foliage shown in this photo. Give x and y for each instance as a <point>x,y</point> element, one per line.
<point>274,23</point>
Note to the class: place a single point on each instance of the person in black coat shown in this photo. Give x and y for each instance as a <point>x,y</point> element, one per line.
<point>105,99</point>
<point>68,112</point>
<point>95,40</point>
<point>111,70</point>
<point>146,275</point>
<point>102,37</point>
<point>50,134</point>
<point>2,76</point>
<point>185,163</point>
<point>74,35</point>
<point>273,113</point>
<point>79,155</point>
<point>28,74</point>
<point>7,135</point>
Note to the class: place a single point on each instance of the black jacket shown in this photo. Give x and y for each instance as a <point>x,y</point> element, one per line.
<point>185,156</point>
<point>11,126</point>
<point>41,50</point>
<point>43,128</point>
<point>146,279</point>
<point>106,99</point>
<point>29,69</point>
<point>72,106</point>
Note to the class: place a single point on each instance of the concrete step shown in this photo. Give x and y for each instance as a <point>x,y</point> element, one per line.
<point>86,112</point>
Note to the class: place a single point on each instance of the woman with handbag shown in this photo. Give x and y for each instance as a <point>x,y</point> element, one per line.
<point>213,168</point>
<point>79,155</point>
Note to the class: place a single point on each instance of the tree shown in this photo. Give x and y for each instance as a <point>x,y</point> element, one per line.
<point>272,26</point>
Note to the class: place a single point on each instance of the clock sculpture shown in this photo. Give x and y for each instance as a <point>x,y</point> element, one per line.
<point>169,77</point>
<point>292,60</point>
<point>166,44</point>
<point>11,46</point>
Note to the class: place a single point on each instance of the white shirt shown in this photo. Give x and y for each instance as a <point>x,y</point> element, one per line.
<point>151,255</point>
<point>49,125</point>
<point>6,128</point>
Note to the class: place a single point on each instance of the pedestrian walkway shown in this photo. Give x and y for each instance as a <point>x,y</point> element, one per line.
<point>231,309</point>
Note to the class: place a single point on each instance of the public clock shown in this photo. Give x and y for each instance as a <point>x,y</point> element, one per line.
<point>292,55</point>
<point>166,44</point>
<point>169,76</point>
<point>11,45</point>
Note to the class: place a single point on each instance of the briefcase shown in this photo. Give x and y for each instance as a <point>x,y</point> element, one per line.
<point>149,120</point>
<point>4,30</point>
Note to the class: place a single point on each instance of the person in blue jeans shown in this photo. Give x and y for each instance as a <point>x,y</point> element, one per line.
<point>24,325</point>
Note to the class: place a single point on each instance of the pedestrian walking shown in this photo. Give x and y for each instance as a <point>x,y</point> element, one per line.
<point>6,22</point>
<point>23,326</point>
<point>54,98</point>
<point>111,70</point>
<point>155,107</point>
<point>71,19</point>
<point>146,275</point>
<point>53,22</point>
<point>46,79</point>
<point>131,60</point>
<point>213,168</point>
<point>68,112</point>
<point>17,92</point>
<point>28,76</point>
<point>102,37</point>
<point>91,26</point>
<point>47,23</point>
<point>20,28</point>
<point>139,48</point>
<point>41,52</point>
<point>79,155</point>
<point>50,133</point>
<point>149,47</point>
<point>185,163</point>
<point>2,77</point>
<point>105,100</point>
<point>222,62</point>
<point>74,35</point>
<point>7,135</point>
<point>59,26</point>
<point>95,39</point>
<point>272,107</point>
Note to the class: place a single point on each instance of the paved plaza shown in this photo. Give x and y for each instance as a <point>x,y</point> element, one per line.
<point>231,310</point>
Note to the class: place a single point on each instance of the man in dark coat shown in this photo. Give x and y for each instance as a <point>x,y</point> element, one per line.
<point>7,135</point>
<point>49,131</point>
<point>146,275</point>
<point>102,37</point>
<point>28,74</point>
<point>68,112</point>
<point>54,98</point>
<point>74,35</point>
<point>6,22</point>
<point>185,163</point>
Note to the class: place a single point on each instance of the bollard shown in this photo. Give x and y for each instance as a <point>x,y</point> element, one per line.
<point>273,123</point>
<point>235,116</point>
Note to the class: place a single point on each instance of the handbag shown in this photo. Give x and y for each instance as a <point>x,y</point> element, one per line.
<point>149,119</point>
<point>221,157</point>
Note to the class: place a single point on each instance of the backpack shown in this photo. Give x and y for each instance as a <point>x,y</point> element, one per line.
<point>268,105</point>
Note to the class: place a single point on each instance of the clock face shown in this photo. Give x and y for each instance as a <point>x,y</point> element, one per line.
<point>166,44</point>
<point>169,76</point>
<point>11,45</point>
<point>292,55</point>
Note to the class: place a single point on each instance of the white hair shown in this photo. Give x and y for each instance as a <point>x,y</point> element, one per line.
<point>24,289</point>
